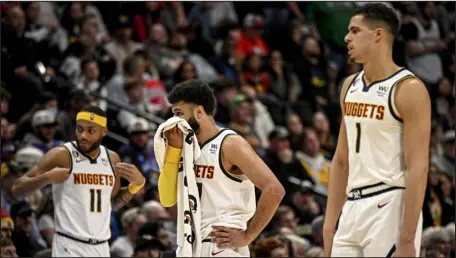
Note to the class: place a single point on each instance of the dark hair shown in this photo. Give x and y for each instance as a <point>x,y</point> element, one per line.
<point>194,92</point>
<point>380,13</point>
<point>178,73</point>
<point>85,62</point>
<point>94,109</point>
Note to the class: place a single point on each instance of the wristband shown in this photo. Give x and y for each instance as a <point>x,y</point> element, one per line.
<point>133,189</point>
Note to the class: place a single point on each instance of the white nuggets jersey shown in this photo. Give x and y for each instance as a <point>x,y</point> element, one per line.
<point>226,199</point>
<point>82,204</point>
<point>374,132</point>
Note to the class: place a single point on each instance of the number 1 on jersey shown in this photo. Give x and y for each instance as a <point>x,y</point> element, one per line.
<point>95,193</point>
<point>358,136</point>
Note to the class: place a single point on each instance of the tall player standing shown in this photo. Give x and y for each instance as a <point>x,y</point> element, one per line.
<point>226,173</point>
<point>382,156</point>
<point>85,178</point>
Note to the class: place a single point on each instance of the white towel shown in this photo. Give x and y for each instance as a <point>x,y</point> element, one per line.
<point>188,202</point>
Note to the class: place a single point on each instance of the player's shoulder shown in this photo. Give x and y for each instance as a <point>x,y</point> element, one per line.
<point>113,156</point>
<point>346,84</point>
<point>234,144</point>
<point>411,94</point>
<point>411,86</point>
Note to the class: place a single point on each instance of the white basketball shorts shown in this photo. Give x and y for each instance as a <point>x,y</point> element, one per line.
<point>66,247</point>
<point>370,223</point>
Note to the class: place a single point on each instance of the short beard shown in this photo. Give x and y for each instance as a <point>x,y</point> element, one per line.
<point>193,124</point>
<point>94,146</point>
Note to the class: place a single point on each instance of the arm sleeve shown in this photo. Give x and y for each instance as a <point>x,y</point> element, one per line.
<point>167,182</point>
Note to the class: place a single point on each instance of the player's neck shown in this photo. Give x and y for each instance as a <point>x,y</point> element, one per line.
<point>381,67</point>
<point>93,154</point>
<point>207,130</point>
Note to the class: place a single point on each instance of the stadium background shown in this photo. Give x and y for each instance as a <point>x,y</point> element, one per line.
<point>276,69</point>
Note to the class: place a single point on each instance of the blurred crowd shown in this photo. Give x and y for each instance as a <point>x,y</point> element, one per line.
<point>276,69</point>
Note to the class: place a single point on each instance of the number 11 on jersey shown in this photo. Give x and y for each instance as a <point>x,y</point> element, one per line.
<point>95,200</point>
<point>358,137</point>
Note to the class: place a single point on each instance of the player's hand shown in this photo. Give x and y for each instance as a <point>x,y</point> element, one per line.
<point>175,137</point>
<point>57,175</point>
<point>405,249</point>
<point>228,237</point>
<point>129,172</point>
<point>328,236</point>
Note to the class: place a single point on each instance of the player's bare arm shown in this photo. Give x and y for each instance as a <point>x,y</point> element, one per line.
<point>53,168</point>
<point>121,196</point>
<point>413,104</point>
<point>237,152</point>
<point>338,177</point>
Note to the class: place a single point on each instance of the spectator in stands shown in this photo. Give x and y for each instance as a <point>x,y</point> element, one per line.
<point>44,125</point>
<point>312,73</point>
<point>135,89</point>
<point>271,247</point>
<point>18,64</point>
<point>71,20</point>
<point>284,83</point>
<point>305,203</point>
<point>6,225</point>
<point>224,90</point>
<point>78,99</point>
<point>443,102</point>
<point>254,75</point>
<point>147,246</point>
<point>282,160</point>
<point>242,121</point>
<point>185,71</point>
<point>89,82</point>
<point>446,161</point>
<point>251,41</point>
<point>284,217</point>
<point>10,172</point>
<point>437,239</point>
<point>204,70</point>
<point>45,215</point>
<point>422,36</point>
<point>317,231</point>
<point>226,63</point>
<point>326,137</point>
<point>296,129</point>
<point>211,15</point>
<point>132,221</point>
<point>7,248</point>
<point>157,231</point>
<point>263,121</point>
<point>34,29</point>
<point>312,158</point>
<point>122,46</point>
<point>139,151</point>
<point>47,100</point>
<point>299,245</point>
<point>22,215</point>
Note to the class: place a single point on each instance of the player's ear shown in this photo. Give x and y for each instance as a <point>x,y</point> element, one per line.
<point>199,112</point>
<point>104,131</point>
<point>379,33</point>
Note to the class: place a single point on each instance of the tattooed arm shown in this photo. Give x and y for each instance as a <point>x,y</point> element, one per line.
<point>121,196</point>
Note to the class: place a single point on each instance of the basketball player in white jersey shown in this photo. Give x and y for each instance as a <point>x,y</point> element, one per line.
<point>379,171</point>
<point>85,178</point>
<point>226,173</point>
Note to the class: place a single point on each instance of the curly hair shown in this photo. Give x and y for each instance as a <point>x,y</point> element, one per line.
<point>193,92</point>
